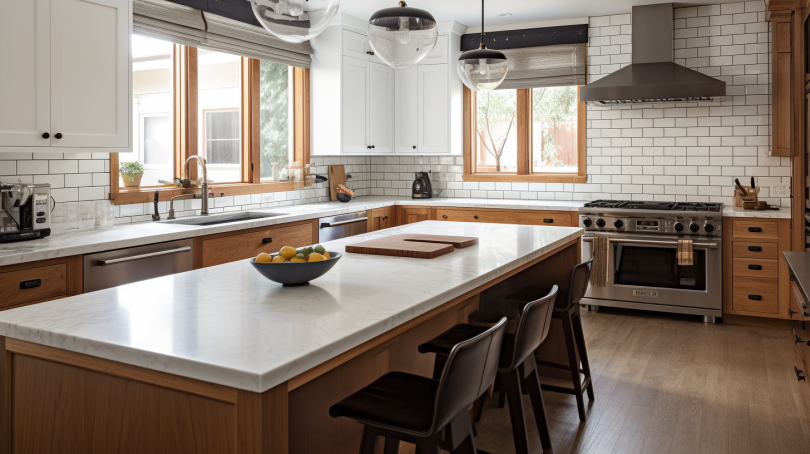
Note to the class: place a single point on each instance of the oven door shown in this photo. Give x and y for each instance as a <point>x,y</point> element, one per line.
<point>644,269</point>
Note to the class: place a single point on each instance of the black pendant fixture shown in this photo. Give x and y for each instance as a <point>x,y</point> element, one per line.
<point>482,69</point>
<point>402,36</point>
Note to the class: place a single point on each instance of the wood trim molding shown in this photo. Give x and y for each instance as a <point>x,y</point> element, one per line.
<point>105,366</point>
<point>143,195</point>
<point>524,131</point>
<point>317,371</point>
<point>469,131</point>
<point>251,114</point>
<point>301,115</point>
<point>798,116</point>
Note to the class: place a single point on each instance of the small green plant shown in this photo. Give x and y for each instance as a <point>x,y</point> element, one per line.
<point>130,168</point>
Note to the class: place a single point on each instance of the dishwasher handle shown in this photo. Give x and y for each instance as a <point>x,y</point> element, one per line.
<point>132,258</point>
<point>338,224</point>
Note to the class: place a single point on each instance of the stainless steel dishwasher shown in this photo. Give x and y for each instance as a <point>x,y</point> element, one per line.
<point>124,266</point>
<point>337,227</point>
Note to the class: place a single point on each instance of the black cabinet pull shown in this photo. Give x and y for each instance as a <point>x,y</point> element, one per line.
<point>755,229</point>
<point>755,267</point>
<point>414,147</point>
<point>58,135</point>
<point>755,297</point>
<point>799,373</point>
<point>46,136</point>
<point>476,216</point>
<point>372,146</point>
<point>754,248</point>
<point>548,221</point>
<point>267,240</point>
<point>33,283</point>
<point>444,216</point>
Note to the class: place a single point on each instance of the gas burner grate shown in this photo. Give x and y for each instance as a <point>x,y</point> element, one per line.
<point>660,206</point>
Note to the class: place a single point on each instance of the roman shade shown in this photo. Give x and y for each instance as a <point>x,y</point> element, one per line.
<point>539,57</point>
<point>192,27</point>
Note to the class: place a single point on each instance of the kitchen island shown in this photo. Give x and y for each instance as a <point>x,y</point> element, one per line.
<point>221,360</point>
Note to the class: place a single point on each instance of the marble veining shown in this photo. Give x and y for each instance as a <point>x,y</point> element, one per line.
<point>229,325</point>
<point>737,212</point>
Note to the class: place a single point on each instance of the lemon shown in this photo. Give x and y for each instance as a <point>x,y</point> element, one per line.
<point>315,257</point>
<point>326,255</point>
<point>320,249</point>
<point>288,252</point>
<point>264,258</point>
<point>298,260</point>
<point>279,259</point>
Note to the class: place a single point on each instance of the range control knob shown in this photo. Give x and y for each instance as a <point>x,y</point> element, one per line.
<point>694,227</point>
<point>587,222</point>
<point>618,223</point>
<point>600,223</point>
<point>678,227</point>
<point>708,228</point>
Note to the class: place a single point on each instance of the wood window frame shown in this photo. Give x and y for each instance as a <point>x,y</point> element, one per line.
<point>187,124</point>
<point>525,173</point>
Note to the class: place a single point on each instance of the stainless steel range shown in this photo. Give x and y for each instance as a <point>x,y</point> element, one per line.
<point>643,270</point>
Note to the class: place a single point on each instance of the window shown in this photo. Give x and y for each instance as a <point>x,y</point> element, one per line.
<point>525,135</point>
<point>248,118</point>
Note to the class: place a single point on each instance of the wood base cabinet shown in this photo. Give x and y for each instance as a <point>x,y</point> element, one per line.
<point>228,247</point>
<point>381,218</point>
<point>523,217</point>
<point>37,282</point>
<point>756,279</point>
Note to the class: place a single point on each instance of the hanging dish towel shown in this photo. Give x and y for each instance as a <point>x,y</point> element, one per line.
<point>599,269</point>
<point>686,255</point>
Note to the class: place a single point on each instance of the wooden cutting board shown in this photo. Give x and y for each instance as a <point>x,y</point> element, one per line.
<point>413,245</point>
<point>337,175</point>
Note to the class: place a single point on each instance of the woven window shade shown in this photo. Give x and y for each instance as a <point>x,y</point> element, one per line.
<point>545,66</point>
<point>191,27</point>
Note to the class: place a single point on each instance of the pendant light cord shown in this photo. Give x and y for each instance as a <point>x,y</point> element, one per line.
<point>483,46</point>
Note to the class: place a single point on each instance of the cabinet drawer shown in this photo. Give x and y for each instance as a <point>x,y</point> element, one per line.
<point>756,268</point>
<point>756,250</point>
<point>755,228</point>
<point>239,247</point>
<point>506,217</point>
<point>755,295</point>
<point>35,284</point>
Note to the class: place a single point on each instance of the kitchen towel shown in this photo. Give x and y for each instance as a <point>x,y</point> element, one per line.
<point>599,269</point>
<point>686,254</point>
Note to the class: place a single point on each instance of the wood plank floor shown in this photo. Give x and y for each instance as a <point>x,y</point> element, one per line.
<point>670,384</point>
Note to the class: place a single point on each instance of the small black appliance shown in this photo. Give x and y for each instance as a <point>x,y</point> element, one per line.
<point>421,186</point>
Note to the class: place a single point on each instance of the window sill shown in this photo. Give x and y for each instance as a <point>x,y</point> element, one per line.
<point>512,178</point>
<point>127,196</point>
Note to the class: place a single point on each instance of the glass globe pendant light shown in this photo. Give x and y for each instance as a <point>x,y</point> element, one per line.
<point>402,36</point>
<point>295,21</point>
<point>482,69</point>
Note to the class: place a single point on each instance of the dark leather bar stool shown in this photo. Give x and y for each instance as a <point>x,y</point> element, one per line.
<point>567,311</point>
<point>429,413</point>
<point>517,370</point>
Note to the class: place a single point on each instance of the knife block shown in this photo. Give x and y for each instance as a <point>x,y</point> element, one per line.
<point>747,201</point>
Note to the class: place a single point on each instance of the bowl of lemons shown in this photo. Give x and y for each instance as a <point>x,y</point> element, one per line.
<point>292,267</point>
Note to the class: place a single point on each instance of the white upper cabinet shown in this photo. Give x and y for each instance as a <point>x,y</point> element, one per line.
<point>434,109</point>
<point>381,108</point>
<point>354,91</point>
<point>71,75</point>
<point>406,105</point>
<point>440,54</point>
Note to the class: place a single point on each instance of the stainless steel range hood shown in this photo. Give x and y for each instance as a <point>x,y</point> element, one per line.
<point>652,76</point>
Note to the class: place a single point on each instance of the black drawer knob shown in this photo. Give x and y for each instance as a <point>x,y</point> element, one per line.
<point>58,135</point>
<point>414,147</point>
<point>267,240</point>
<point>755,267</point>
<point>476,216</point>
<point>754,248</point>
<point>755,297</point>
<point>548,221</point>
<point>46,136</point>
<point>755,229</point>
<point>33,283</point>
<point>444,216</point>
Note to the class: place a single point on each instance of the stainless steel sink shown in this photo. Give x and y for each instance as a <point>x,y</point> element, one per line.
<point>222,218</point>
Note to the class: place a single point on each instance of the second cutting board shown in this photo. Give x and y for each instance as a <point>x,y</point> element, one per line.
<point>413,245</point>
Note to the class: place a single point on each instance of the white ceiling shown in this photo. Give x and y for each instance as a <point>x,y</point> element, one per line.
<point>468,12</point>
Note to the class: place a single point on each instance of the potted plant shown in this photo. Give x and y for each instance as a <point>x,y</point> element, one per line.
<point>131,174</point>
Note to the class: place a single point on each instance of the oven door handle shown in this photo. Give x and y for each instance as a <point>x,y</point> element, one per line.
<point>666,244</point>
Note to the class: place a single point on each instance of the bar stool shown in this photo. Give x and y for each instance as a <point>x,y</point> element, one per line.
<point>415,409</point>
<point>567,311</point>
<point>517,370</point>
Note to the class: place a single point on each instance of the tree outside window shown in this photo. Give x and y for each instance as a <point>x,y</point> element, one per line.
<point>275,117</point>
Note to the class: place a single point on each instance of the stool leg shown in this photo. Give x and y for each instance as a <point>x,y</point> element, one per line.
<point>511,385</point>
<point>438,366</point>
<point>583,352</point>
<point>573,364</point>
<point>478,408</point>
<point>428,446</point>
<point>369,443</point>
<point>391,446</point>
<point>468,445</point>
<point>538,406</point>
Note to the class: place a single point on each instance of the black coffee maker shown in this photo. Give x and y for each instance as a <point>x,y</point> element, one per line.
<point>421,186</point>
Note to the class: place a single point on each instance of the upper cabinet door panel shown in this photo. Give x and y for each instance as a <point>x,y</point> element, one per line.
<point>406,105</point>
<point>439,54</point>
<point>90,73</point>
<point>381,108</point>
<point>354,103</point>
<point>355,45</point>
<point>25,73</point>
<point>434,113</point>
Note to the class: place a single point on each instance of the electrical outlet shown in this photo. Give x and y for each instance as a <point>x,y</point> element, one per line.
<point>780,190</point>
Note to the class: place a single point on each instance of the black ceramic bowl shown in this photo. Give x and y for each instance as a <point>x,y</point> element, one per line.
<point>343,197</point>
<point>292,274</point>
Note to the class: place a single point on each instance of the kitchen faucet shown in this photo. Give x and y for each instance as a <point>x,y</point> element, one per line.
<point>204,185</point>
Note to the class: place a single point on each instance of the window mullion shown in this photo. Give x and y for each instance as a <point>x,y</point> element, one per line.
<point>524,123</point>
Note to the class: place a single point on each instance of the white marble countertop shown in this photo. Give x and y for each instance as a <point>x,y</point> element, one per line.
<point>98,240</point>
<point>229,325</point>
